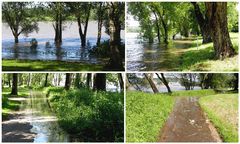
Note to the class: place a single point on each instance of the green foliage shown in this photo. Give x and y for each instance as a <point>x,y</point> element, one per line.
<point>103,50</point>
<point>146,115</point>
<point>38,65</point>
<point>222,110</point>
<point>94,116</point>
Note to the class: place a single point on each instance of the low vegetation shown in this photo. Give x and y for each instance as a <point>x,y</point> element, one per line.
<point>222,110</point>
<point>93,116</point>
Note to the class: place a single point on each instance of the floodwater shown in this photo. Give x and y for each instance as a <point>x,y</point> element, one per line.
<point>187,123</point>
<point>43,119</point>
<point>143,56</point>
<point>70,50</point>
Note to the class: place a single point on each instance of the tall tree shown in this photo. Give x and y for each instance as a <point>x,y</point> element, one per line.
<point>100,16</point>
<point>99,81</point>
<point>164,81</point>
<point>202,20</point>
<point>19,20</point>
<point>77,80</point>
<point>217,15</point>
<point>82,11</point>
<point>120,79</point>
<point>68,81</point>
<point>14,84</point>
<point>115,13</point>
<point>152,84</point>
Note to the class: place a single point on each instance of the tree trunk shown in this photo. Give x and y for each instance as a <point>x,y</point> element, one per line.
<point>120,79</point>
<point>217,14</point>
<point>16,38</point>
<point>89,76</point>
<point>46,80</point>
<point>203,24</point>
<point>9,80</point>
<point>100,23</point>
<point>14,84</point>
<point>77,80</point>
<point>68,81</point>
<point>153,86</point>
<point>164,81</point>
<point>157,26</point>
<point>115,62</point>
<point>58,28</point>
<point>236,82</point>
<point>99,81</point>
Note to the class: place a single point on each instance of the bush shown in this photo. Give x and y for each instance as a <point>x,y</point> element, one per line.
<point>93,116</point>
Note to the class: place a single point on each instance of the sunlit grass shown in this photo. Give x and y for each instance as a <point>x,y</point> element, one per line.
<point>200,57</point>
<point>37,65</point>
<point>222,110</point>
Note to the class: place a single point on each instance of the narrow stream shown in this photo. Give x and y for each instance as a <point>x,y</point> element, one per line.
<point>43,119</point>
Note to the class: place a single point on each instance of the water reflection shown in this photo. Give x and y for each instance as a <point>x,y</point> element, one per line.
<point>144,56</point>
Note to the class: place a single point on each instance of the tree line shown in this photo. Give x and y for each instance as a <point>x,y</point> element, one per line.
<point>22,18</point>
<point>213,20</point>
<point>217,81</point>
<point>94,81</point>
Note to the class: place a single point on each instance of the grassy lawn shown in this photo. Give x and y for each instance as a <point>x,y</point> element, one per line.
<point>146,114</point>
<point>201,58</point>
<point>37,65</point>
<point>9,106</point>
<point>222,110</point>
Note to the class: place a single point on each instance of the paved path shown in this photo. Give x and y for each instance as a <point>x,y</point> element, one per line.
<point>187,123</point>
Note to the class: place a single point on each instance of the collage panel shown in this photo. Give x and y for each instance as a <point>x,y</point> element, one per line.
<point>182,36</point>
<point>62,107</point>
<point>63,36</point>
<point>182,107</point>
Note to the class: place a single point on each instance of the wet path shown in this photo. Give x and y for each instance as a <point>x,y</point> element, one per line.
<point>34,122</point>
<point>187,123</point>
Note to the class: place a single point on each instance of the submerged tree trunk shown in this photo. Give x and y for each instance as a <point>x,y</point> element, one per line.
<point>203,24</point>
<point>217,14</point>
<point>99,81</point>
<point>164,81</point>
<point>153,86</point>
<point>115,62</point>
<point>68,81</point>
<point>157,26</point>
<point>100,22</point>
<point>83,32</point>
<point>14,84</point>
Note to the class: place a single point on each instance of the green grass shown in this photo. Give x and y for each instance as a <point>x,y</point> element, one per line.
<point>222,110</point>
<point>199,93</point>
<point>38,65</point>
<point>7,105</point>
<point>146,114</point>
<point>201,58</point>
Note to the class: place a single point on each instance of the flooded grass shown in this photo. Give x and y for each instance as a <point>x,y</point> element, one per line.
<point>179,55</point>
<point>222,110</point>
<point>38,65</point>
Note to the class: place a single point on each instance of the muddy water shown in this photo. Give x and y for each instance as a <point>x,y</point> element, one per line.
<point>187,123</point>
<point>43,119</point>
<point>143,56</point>
<point>70,50</point>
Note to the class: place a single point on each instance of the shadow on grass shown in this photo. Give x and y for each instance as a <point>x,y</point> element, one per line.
<point>193,57</point>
